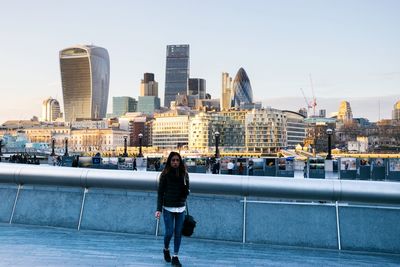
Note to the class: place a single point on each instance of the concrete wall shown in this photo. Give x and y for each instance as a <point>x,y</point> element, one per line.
<point>370,228</point>
<point>291,224</point>
<point>119,211</point>
<point>49,206</point>
<point>218,217</point>
<point>7,199</point>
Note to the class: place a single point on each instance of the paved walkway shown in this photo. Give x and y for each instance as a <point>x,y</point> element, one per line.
<point>22,245</point>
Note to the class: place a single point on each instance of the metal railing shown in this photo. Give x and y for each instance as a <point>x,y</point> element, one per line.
<point>270,187</point>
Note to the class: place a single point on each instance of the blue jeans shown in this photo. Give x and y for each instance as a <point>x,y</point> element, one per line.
<point>169,219</point>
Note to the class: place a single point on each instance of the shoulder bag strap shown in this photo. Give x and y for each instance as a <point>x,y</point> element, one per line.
<point>187,207</point>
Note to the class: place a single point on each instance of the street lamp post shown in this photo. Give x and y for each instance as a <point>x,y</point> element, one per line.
<point>329,131</point>
<point>53,141</point>
<point>216,144</point>
<point>179,147</point>
<point>66,147</point>
<point>125,146</point>
<point>140,145</point>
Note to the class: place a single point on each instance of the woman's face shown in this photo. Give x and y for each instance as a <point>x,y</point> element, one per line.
<point>175,162</point>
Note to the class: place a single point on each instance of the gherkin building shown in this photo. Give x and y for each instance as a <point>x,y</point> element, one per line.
<point>242,92</point>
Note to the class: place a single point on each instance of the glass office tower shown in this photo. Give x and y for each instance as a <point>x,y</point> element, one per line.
<point>123,104</point>
<point>85,76</point>
<point>176,72</point>
<point>197,91</point>
<point>197,87</point>
<point>242,92</point>
<point>148,104</point>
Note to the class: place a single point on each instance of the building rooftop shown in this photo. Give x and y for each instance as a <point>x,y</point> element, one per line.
<point>23,245</point>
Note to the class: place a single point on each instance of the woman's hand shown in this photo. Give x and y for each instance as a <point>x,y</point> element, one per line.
<point>157,214</point>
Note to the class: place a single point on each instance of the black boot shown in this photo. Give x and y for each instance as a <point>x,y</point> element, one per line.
<point>167,256</point>
<point>175,261</point>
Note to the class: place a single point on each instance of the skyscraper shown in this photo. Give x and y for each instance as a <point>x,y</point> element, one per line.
<point>176,72</point>
<point>242,92</point>
<point>148,86</point>
<point>197,91</point>
<point>123,104</point>
<point>226,99</point>
<point>85,76</point>
<point>50,110</point>
<point>197,87</point>
<point>148,99</point>
<point>345,114</point>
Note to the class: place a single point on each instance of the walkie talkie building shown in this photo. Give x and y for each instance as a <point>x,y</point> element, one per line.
<point>85,76</point>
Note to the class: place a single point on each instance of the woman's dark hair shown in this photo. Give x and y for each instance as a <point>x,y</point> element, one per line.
<point>168,168</point>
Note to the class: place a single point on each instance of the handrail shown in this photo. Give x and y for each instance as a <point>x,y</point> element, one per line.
<point>270,187</point>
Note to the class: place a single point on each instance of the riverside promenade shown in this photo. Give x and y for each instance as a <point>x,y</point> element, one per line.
<point>53,216</point>
<point>22,245</point>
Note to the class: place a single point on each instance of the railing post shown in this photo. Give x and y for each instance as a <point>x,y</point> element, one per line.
<point>244,220</point>
<point>338,225</point>
<point>157,226</point>
<point>15,203</point>
<point>82,206</point>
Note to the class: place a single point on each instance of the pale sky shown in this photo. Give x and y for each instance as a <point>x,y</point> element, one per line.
<point>351,48</point>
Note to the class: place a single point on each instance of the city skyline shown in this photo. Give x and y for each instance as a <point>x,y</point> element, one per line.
<point>350,48</point>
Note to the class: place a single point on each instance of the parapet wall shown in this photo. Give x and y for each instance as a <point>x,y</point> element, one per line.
<point>333,225</point>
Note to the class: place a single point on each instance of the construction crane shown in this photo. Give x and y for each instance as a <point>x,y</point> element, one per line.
<point>314,101</point>
<point>308,104</point>
<point>313,104</point>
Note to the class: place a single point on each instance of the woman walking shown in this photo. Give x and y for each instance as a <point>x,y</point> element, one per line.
<point>173,189</point>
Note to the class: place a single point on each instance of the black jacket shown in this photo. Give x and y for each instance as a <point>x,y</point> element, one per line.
<point>172,191</point>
